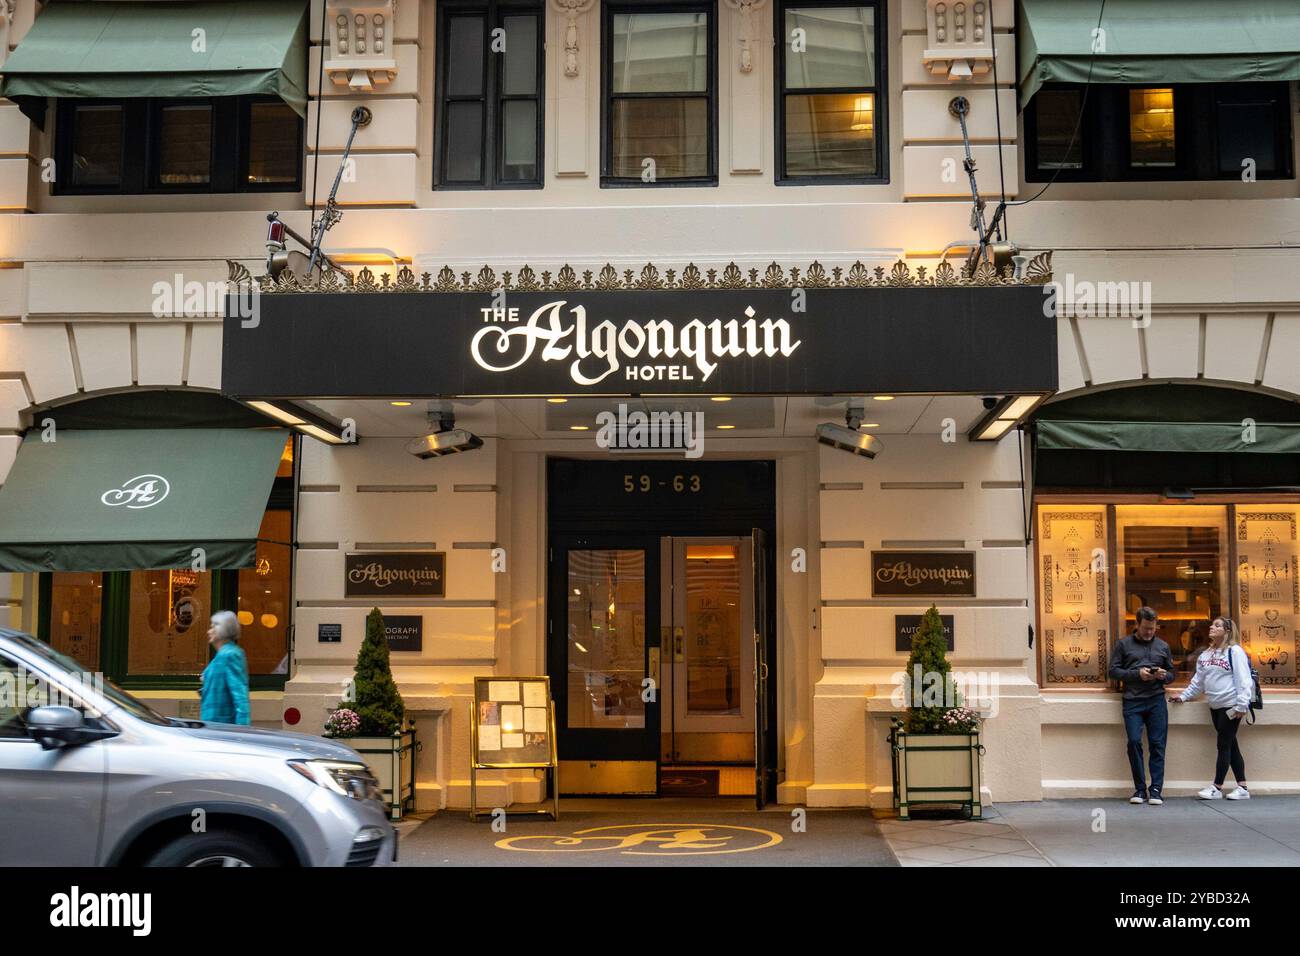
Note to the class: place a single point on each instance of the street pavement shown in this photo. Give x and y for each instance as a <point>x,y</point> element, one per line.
<point>1264,831</point>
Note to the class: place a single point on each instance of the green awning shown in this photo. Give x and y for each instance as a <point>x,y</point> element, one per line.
<point>154,49</point>
<point>119,500</point>
<point>1152,41</point>
<point>1199,437</point>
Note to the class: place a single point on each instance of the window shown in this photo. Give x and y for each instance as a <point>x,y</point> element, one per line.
<point>214,145</point>
<point>660,100</point>
<point>489,95</point>
<point>1191,563</point>
<point>1191,132</point>
<point>830,110</point>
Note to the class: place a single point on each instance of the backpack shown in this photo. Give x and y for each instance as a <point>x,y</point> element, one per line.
<point>1256,695</point>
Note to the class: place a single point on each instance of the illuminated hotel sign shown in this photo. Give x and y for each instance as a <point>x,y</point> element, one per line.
<point>748,341</point>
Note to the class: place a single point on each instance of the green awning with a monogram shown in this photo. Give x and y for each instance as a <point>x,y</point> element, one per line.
<point>129,499</point>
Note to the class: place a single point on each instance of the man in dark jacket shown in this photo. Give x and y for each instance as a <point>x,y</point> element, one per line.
<point>1144,664</point>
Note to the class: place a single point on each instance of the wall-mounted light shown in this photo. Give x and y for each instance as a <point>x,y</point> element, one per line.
<point>1003,414</point>
<point>958,42</point>
<point>301,419</point>
<point>359,46</point>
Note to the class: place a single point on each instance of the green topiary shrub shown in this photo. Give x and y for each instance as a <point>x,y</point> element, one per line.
<point>931,690</point>
<point>378,703</point>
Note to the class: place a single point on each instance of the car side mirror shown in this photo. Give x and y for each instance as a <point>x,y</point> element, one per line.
<point>53,727</point>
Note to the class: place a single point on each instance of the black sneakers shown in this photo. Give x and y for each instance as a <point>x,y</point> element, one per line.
<point>1139,796</point>
<point>1155,799</point>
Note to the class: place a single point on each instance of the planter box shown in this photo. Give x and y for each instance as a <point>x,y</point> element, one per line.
<point>936,769</point>
<point>392,760</point>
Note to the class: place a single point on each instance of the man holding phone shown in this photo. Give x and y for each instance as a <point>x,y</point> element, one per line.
<point>1144,664</point>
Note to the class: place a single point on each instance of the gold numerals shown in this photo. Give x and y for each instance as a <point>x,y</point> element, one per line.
<point>680,484</point>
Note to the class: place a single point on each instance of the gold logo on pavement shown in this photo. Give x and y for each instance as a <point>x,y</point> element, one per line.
<point>654,839</point>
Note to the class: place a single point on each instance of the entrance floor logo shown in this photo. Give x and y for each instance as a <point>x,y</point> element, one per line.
<point>650,839</point>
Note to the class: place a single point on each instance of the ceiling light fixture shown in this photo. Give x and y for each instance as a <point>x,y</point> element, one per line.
<point>297,417</point>
<point>444,438</point>
<point>846,437</point>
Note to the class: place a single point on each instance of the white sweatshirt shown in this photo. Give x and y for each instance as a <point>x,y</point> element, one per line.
<point>1224,686</point>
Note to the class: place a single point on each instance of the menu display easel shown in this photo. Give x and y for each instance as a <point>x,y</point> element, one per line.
<point>512,726</point>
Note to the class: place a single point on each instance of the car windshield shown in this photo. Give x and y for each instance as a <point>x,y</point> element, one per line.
<point>75,671</point>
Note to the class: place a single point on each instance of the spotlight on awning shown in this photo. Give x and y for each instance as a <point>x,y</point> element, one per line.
<point>303,420</point>
<point>847,437</point>
<point>1003,415</point>
<point>445,438</point>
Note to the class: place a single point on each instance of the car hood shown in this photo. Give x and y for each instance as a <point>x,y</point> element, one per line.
<point>232,737</point>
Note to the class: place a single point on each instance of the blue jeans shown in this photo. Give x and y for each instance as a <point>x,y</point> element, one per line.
<point>1151,713</point>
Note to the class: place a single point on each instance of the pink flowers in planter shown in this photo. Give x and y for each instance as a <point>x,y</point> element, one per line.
<point>342,723</point>
<point>960,720</point>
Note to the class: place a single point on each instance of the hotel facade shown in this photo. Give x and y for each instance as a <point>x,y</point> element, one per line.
<point>750,222</point>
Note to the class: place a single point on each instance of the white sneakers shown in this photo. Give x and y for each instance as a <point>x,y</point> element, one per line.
<point>1214,793</point>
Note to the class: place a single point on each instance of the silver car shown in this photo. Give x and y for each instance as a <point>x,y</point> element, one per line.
<point>90,776</point>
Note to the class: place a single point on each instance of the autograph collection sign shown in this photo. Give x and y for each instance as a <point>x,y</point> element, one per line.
<point>750,341</point>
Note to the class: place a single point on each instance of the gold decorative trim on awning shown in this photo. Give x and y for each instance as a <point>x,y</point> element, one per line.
<point>650,277</point>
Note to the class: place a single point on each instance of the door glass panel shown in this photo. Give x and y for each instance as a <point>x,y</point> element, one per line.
<point>169,622</point>
<point>75,603</point>
<point>264,598</point>
<point>713,629</point>
<point>606,639</point>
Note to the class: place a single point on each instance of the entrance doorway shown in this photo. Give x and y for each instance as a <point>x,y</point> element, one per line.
<point>660,630</point>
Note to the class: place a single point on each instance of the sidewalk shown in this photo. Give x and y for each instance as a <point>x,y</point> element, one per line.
<point>1264,831</point>
<point>1184,831</point>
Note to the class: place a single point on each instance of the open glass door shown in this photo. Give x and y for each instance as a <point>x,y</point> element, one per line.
<point>758,550</point>
<point>607,718</point>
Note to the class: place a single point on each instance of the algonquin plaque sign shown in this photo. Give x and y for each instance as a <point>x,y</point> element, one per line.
<point>395,574</point>
<point>595,341</point>
<point>923,573</point>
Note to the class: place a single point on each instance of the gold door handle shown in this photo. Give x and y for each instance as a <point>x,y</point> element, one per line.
<point>654,667</point>
<point>679,640</point>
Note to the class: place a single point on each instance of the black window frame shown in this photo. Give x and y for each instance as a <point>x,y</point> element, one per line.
<point>491,155</point>
<point>1105,142</point>
<point>880,92</point>
<point>141,130</point>
<point>612,8</point>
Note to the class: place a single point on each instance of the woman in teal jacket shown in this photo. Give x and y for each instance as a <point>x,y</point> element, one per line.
<point>223,694</point>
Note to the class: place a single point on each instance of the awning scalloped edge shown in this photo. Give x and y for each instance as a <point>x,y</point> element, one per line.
<point>650,277</point>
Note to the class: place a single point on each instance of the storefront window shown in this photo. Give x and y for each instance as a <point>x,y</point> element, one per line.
<point>1072,593</point>
<point>169,622</point>
<point>76,602</point>
<point>1268,589</point>
<point>264,598</point>
<point>606,638</point>
<point>1174,559</point>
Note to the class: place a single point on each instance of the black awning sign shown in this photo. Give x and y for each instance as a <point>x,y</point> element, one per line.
<point>597,342</point>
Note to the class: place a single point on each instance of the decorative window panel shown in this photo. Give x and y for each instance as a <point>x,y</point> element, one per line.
<point>1268,589</point>
<point>1072,593</point>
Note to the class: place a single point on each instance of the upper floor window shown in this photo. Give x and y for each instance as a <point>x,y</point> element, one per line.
<point>831,105</point>
<point>660,94</point>
<point>214,145</point>
<point>489,129</point>
<point>1190,132</point>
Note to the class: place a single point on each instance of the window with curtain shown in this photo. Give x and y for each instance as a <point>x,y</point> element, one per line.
<point>1193,131</point>
<point>213,145</point>
<point>659,95</point>
<point>489,95</point>
<point>831,109</point>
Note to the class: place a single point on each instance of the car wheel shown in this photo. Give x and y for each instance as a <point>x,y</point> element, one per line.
<point>213,849</point>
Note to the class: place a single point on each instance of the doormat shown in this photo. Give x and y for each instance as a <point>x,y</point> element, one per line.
<point>688,783</point>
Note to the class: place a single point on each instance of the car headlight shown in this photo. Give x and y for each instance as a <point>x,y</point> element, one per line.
<point>344,778</point>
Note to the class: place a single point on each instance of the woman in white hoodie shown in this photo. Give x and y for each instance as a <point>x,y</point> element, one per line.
<point>1223,675</point>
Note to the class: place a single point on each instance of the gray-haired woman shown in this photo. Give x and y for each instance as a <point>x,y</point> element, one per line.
<point>224,693</point>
